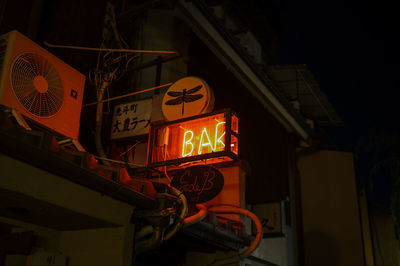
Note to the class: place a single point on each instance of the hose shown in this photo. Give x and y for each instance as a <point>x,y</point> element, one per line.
<point>182,215</point>
<point>188,221</point>
<point>146,230</point>
<point>197,217</point>
<point>223,209</point>
<point>152,243</point>
<point>158,235</point>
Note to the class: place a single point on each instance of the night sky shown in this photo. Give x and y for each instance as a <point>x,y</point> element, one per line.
<point>352,48</point>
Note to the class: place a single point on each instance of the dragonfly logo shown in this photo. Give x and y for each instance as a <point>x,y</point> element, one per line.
<point>187,97</point>
<point>184,97</point>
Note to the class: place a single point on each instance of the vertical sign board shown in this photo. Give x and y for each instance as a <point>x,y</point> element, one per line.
<point>270,215</point>
<point>213,137</point>
<point>131,119</point>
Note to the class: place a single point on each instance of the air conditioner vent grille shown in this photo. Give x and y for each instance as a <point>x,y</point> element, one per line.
<point>37,85</point>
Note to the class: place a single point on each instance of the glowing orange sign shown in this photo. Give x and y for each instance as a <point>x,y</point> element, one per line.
<point>191,145</point>
<point>208,136</point>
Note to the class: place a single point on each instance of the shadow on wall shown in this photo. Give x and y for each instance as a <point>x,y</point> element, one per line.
<point>386,246</point>
<point>320,249</point>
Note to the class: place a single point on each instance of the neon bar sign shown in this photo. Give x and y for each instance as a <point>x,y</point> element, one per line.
<point>212,137</point>
<point>190,145</point>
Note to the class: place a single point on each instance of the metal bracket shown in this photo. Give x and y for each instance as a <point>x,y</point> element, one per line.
<point>20,119</point>
<point>71,142</point>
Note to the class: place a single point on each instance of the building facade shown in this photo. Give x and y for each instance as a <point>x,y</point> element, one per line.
<point>91,200</point>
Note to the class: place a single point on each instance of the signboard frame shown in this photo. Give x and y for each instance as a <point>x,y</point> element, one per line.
<point>272,217</point>
<point>227,153</point>
<point>131,119</point>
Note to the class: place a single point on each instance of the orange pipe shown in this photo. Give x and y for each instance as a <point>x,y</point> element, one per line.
<point>236,210</point>
<point>197,217</point>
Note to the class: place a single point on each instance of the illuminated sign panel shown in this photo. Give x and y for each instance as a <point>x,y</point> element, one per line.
<point>212,137</point>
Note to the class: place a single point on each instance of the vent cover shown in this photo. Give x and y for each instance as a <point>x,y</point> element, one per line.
<point>40,86</point>
<point>37,85</point>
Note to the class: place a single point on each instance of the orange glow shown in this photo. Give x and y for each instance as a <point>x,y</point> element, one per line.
<point>204,144</point>
<point>218,140</point>
<point>197,137</point>
<point>187,142</point>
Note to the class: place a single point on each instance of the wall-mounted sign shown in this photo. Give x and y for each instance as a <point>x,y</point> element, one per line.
<point>187,97</point>
<point>270,215</point>
<point>199,183</point>
<point>131,119</point>
<point>212,137</point>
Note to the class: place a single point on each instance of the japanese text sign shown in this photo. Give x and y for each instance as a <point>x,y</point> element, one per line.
<point>131,119</point>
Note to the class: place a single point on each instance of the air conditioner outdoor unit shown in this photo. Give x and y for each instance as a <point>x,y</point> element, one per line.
<point>40,86</point>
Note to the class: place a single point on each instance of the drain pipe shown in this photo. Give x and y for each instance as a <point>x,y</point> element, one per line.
<point>99,116</point>
<point>97,135</point>
<point>180,219</point>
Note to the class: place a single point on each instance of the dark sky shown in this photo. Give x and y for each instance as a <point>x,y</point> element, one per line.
<point>352,49</point>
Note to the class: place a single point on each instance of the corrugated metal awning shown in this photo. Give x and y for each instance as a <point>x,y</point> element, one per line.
<point>226,48</point>
<point>299,84</point>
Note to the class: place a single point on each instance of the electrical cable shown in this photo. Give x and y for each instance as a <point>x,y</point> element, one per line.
<point>129,149</point>
<point>109,49</point>
<point>129,94</point>
<point>166,174</point>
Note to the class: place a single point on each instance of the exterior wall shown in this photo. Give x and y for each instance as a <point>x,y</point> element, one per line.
<point>201,259</point>
<point>273,250</point>
<point>108,246</point>
<point>331,224</point>
<point>366,229</point>
<point>39,184</point>
<point>161,30</point>
<point>278,249</point>
<point>233,192</point>
<point>386,246</point>
<point>102,247</point>
<point>263,140</point>
<point>46,238</point>
<point>51,193</point>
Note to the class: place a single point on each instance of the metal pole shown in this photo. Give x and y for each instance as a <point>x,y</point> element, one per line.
<point>129,94</point>
<point>108,49</point>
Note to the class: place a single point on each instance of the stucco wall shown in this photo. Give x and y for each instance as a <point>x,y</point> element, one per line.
<point>331,225</point>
